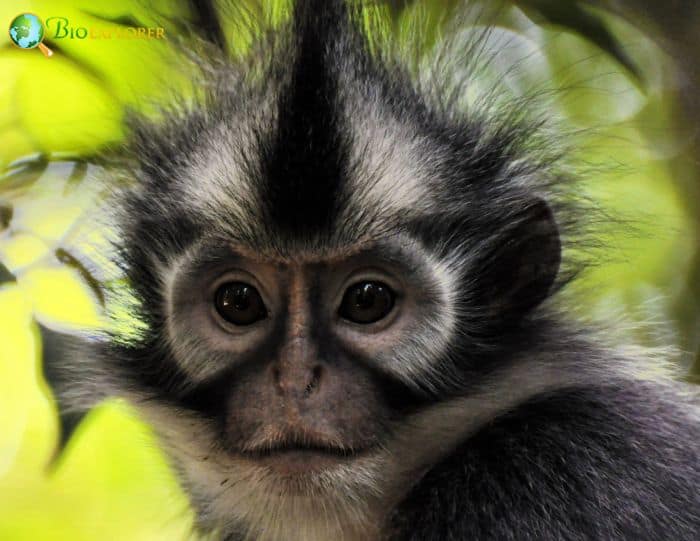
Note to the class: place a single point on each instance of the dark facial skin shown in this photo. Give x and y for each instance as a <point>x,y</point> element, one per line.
<point>310,402</point>
<point>299,389</point>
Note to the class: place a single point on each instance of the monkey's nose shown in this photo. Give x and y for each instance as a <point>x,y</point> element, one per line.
<point>297,381</point>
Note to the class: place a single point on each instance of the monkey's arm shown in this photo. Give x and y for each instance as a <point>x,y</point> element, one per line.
<point>614,462</point>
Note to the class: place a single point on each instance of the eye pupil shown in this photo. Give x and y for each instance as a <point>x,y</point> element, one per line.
<point>239,303</point>
<point>241,298</point>
<point>364,296</point>
<point>367,302</point>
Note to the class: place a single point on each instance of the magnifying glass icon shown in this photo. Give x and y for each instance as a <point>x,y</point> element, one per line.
<point>27,32</point>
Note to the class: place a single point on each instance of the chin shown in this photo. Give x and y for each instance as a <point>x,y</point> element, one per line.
<point>298,495</point>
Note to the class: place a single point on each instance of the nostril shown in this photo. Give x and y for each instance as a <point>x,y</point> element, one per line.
<point>315,380</point>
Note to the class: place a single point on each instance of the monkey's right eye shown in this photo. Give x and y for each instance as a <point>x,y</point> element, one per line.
<point>239,303</point>
<point>367,302</point>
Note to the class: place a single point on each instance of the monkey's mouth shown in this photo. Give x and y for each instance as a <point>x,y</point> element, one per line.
<point>294,458</point>
<point>287,448</point>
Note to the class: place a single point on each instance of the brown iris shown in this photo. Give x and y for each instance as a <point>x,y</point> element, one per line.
<point>239,303</point>
<point>367,302</point>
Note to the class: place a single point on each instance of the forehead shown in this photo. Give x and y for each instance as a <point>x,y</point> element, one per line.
<point>367,175</point>
<point>329,154</point>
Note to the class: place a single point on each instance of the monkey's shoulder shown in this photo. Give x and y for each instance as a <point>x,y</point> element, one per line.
<point>613,462</point>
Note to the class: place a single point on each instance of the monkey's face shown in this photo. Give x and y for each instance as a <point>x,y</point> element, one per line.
<point>308,322</point>
<point>320,255</point>
<point>301,363</point>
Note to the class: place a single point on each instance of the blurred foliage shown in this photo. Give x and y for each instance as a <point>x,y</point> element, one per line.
<point>618,88</point>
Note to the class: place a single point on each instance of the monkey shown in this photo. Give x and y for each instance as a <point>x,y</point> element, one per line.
<point>345,289</point>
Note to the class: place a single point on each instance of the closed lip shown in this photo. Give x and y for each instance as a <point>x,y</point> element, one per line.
<point>262,452</point>
<point>293,460</point>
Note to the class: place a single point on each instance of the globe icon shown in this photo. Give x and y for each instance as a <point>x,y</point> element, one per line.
<point>26,31</point>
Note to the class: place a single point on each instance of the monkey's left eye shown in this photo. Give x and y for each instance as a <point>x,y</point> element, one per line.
<point>367,302</point>
<point>239,303</point>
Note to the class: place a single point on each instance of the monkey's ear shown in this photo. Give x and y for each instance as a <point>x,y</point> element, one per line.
<point>522,264</point>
